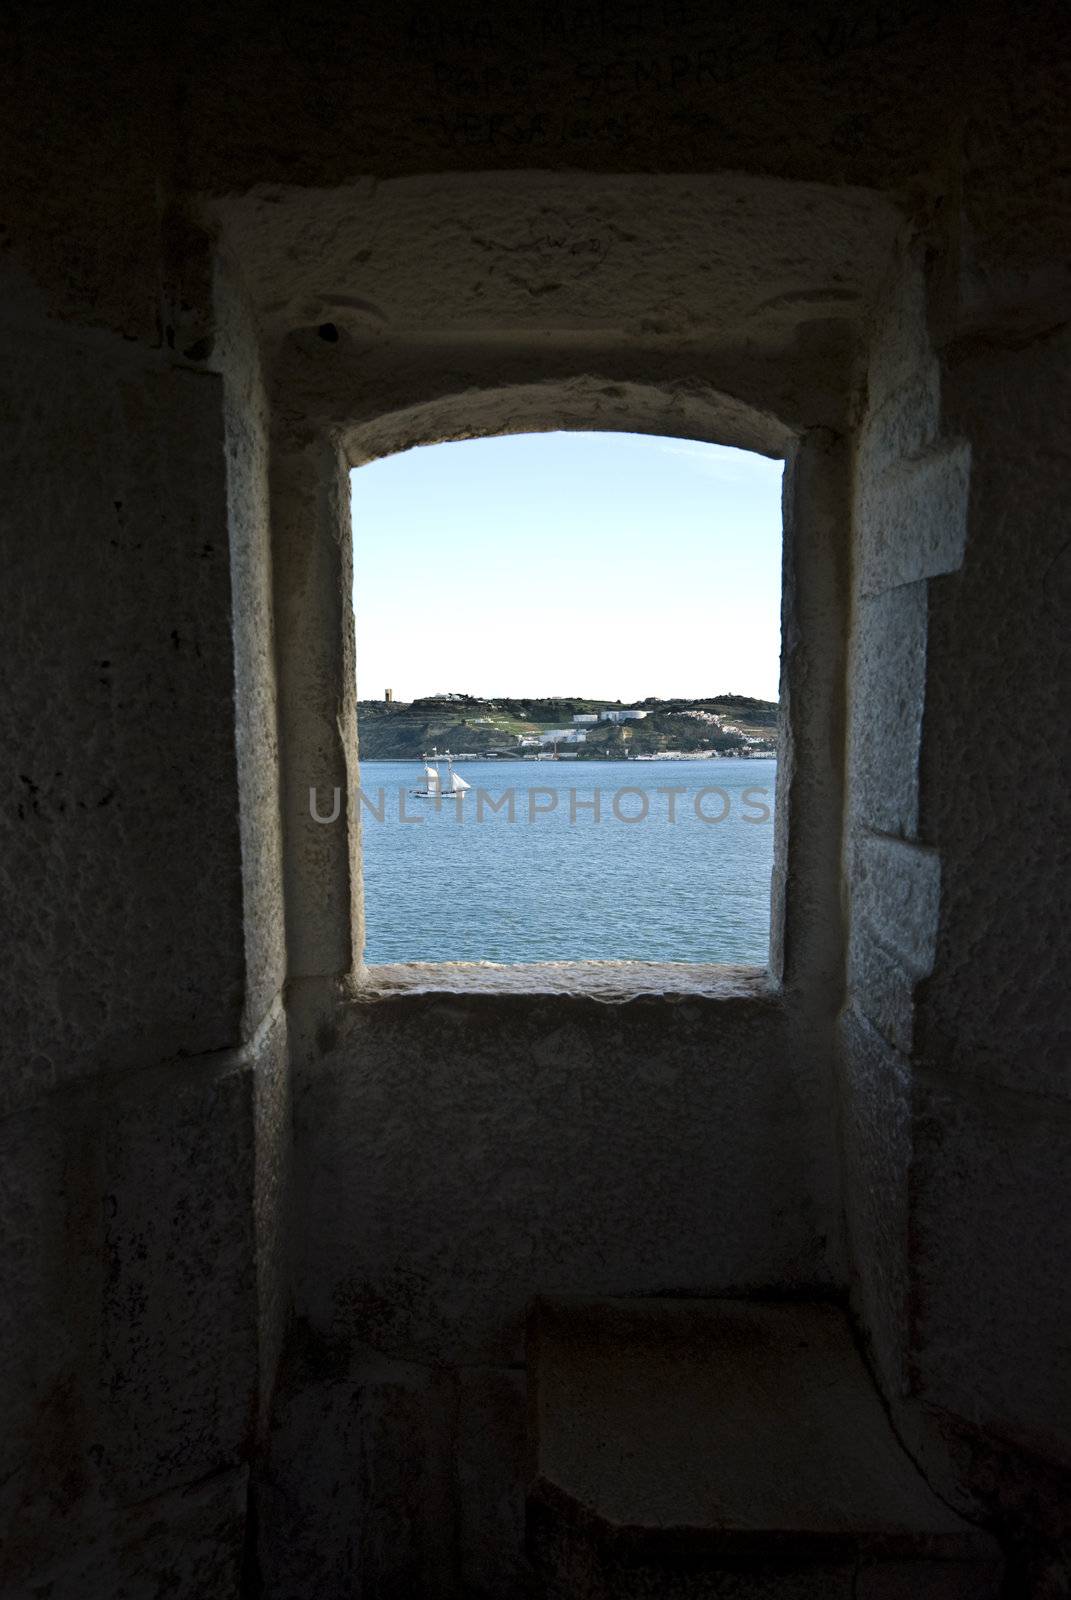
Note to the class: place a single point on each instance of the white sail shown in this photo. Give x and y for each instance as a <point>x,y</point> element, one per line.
<point>433,780</point>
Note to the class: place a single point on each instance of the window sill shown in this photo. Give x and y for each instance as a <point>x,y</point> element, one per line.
<point>612,982</point>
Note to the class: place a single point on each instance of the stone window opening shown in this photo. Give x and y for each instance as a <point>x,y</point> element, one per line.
<point>373,349</point>
<point>325,901</point>
<point>622,563</point>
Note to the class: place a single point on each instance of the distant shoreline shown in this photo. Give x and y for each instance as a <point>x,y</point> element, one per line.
<point>589,730</point>
<point>585,761</point>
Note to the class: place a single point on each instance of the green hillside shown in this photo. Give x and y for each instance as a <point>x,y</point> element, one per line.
<point>466,723</point>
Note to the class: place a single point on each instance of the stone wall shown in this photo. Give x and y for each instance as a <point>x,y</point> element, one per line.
<point>460,1153</point>
<point>464,1143</point>
<point>145,1122</point>
<point>954,1117</point>
<point>268,1223</point>
<point>994,1144</point>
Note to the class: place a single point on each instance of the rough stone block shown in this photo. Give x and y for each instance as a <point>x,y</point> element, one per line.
<point>273,1194</point>
<point>120,861</point>
<point>129,1314</point>
<point>992,1238</point>
<point>876,1145</point>
<point>900,347</point>
<point>899,427</point>
<point>313,585</point>
<point>509,1146</point>
<point>178,1328</point>
<point>611,1569</point>
<point>187,1544</point>
<point>903,388</point>
<point>49,1312</point>
<point>912,518</point>
<point>716,1442</point>
<point>881,987</point>
<point>354,1501</point>
<point>928,1580</point>
<point>895,902</point>
<point>995,796</point>
<point>491,1453</point>
<point>806,946</point>
<point>896,889</point>
<point>888,690</point>
<point>248,456</point>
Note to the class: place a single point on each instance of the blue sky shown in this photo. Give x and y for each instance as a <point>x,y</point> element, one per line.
<point>614,565</point>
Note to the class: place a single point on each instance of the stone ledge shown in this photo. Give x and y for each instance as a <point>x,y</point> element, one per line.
<point>611,981</point>
<point>682,1443</point>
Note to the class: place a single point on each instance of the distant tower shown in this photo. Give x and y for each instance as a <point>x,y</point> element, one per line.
<point>388,695</point>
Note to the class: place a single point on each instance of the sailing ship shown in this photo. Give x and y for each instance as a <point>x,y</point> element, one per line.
<point>435,788</point>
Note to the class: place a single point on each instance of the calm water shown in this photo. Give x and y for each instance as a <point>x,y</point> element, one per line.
<point>469,884</point>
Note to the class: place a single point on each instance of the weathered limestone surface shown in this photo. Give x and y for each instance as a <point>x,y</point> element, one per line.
<point>892,882</point>
<point>990,1286</point>
<point>694,1448</point>
<point>994,794</point>
<point>458,1152</point>
<point>510,1145</point>
<point>121,868</point>
<point>317,707</point>
<point>272,1197</point>
<point>896,898</point>
<point>247,427</point>
<point>869,100</point>
<point>876,1139</point>
<point>129,1324</point>
<point>993,1139</point>
<point>426,1466</point>
<point>954,1085</point>
<point>543,310</point>
<point>239,252</point>
<point>355,1496</point>
<point>888,685</point>
<point>806,922</point>
<point>653,234</point>
<point>492,1456</point>
<point>913,521</point>
<point>188,1542</point>
<point>128,1251</point>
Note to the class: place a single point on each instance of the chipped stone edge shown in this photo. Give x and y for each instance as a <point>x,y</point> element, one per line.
<point>610,982</point>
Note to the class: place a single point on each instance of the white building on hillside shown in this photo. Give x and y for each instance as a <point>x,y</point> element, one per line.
<point>622,716</point>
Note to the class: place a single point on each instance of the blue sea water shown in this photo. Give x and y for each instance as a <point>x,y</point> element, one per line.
<point>554,883</point>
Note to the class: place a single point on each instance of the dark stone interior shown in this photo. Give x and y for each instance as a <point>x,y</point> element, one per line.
<point>322,1282</point>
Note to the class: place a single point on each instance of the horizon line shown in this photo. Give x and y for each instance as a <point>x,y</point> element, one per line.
<point>594,699</point>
